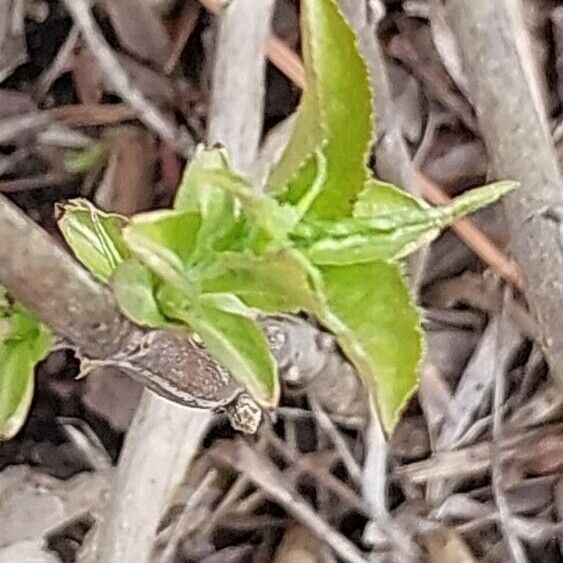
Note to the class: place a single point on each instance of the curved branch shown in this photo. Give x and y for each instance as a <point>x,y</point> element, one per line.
<point>59,292</point>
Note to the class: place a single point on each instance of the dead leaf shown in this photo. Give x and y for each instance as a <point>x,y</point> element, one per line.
<point>28,551</point>
<point>33,504</point>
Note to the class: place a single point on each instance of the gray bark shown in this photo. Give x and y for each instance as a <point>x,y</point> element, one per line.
<point>61,294</point>
<point>498,63</point>
<point>237,97</point>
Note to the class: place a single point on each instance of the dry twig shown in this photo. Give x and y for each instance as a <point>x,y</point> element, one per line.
<point>261,471</point>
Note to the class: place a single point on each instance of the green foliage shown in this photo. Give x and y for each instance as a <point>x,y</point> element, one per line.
<point>134,287</point>
<point>164,241</point>
<point>230,333</point>
<point>274,282</point>
<point>387,225</point>
<point>335,115</point>
<point>89,158</point>
<point>23,342</point>
<point>324,238</point>
<point>371,312</point>
<point>94,236</point>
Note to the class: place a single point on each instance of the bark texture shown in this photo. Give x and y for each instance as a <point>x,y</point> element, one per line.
<point>503,85</point>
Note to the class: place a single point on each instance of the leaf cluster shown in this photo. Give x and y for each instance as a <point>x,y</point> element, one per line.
<point>322,237</point>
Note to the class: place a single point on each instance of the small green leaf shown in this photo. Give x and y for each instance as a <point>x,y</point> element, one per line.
<point>228,303</point>
<point>275,282</point>
<point>371,312</point>
<point>387,203</point>
<point>387,224</point>
<point>335,115</point>
<point>236,342</point>
<point>204,189</point>
<point>25,343</point>
<point>90,158</point>
<point>164,241</point>
<point>234,214</point>
<point>391,208</point>
<point>208,172</point>
<point>94,236</point>
<point>134,286</point>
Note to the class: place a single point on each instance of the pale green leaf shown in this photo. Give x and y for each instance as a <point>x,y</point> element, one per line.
<point>388,224</point>
<point>335,115</point>
<point>275,282</point>
<point>204,190</point>
<point>234,214</point>
<point>25,343</point>
<point>228,303</point>
<point>90,158</point>
<point>134,286</point>
<point>164,241</point>
<point>387,203</point>
<point>207,173</point>
<point>93,236</point>
<point>371,312</point>
<point>235,341</point>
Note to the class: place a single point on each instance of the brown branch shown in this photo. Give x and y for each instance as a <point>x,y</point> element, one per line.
<point>494,43</point>
<point>64,296</point>
<point>41,275</point>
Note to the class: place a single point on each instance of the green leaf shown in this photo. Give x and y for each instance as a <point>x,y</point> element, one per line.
<point>335,115</point>
<point>94,236</point>
<point>204,189</point>
<point>387,203</point>
<point>207,174</point>
<point>234,215</point>
<point>164,241</point>
<point>25,343</point>
<point>387,224</point>
<point>391,208</point>
<point>235,340</point>
<point>274,282</point>
<point>370,310</point>
<point>134,286</point>
<point>90,158</point>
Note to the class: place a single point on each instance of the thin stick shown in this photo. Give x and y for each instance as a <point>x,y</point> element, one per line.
<point>263,473</point>
<point>505,516</point>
